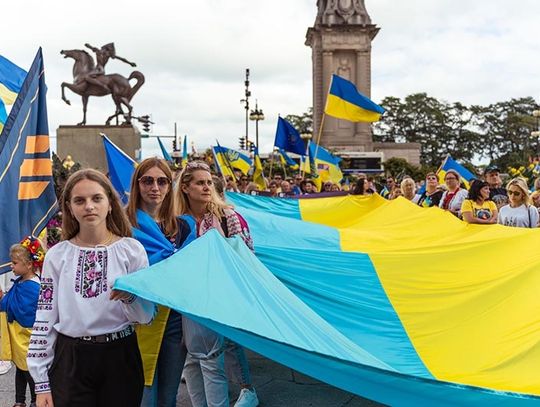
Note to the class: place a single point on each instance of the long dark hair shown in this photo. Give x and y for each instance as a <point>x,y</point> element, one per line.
<point>359,188</point>
<point>474,190</point>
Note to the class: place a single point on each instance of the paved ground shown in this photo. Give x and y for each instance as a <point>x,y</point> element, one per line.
<point>277,386</point>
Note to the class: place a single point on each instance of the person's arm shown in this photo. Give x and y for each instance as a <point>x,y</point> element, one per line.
<point>124,60</point>
<point>41,349</point>
<point>136,309</point>
<point>533,212</point>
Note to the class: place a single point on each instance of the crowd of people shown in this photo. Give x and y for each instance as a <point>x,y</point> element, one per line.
<point>485,200</point>
<point>77,341</point>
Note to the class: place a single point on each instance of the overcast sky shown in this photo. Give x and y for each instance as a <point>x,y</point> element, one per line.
<point>194,54</point>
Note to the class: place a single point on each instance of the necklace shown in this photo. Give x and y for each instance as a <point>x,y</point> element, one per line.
<point>105,242</point>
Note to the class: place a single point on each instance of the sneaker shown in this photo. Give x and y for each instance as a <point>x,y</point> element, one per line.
<point>247,398</point>
<point>5,365</point>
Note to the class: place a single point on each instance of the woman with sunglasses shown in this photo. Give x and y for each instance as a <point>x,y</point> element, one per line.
<point>201,209</point>
<point>519,212</point>
<point>151,211</point>
<point>478,208</point>
<point>431,195</point>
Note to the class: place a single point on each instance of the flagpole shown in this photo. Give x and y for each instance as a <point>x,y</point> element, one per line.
<point>322,118</point>
<point>271,162</point>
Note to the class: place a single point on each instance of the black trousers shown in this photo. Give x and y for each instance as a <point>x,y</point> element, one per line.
<point>22,378</point>
<point>87,374</point>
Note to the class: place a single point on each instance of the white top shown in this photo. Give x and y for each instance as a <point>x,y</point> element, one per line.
<point>74,299</point>
<point>456,201</point>
<point>523,216</point>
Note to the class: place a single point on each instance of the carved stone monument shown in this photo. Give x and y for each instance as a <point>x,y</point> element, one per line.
<point>83,142</point>
<point>341,43</point>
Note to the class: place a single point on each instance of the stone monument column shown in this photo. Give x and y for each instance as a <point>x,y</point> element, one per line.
<point>341,43</point>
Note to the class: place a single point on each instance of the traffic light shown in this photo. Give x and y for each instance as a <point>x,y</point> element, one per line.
<point>174,145</point>
<point>145,120</point>
<point>251,147</point>
<point>242,143</point>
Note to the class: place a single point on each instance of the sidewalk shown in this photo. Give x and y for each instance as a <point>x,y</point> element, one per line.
<point>276,385</point>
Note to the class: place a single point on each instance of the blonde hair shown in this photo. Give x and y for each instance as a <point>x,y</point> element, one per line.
<point>166,211</point>
<point>117,221</point>
<point>216,206</point>
<point>521,184</point>
<point>19,252</point>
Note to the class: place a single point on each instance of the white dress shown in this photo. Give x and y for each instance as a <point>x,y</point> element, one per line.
<point>76,283</point>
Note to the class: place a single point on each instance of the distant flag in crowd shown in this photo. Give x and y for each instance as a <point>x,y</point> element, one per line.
<point>11,80</point>
<point>121,168</point>
<point>228,159</point>
<point>258,175</point>
<point>27,196</point>
<point>327,164</point>
<point>164,151</point>
<point>385,193</point>
<point>286,160</point>
<point>450,164</point>
<point>184,152</point>
<point>345,102</point>
<point>314,173</point>
<point>288,138</point>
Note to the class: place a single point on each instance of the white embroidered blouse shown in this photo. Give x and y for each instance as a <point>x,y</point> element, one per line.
<point>74,298</point>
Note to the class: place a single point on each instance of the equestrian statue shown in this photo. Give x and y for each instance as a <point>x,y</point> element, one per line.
<point>90,79</point>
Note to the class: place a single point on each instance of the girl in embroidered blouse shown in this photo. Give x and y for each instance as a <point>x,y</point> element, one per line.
<point>151,205</point>
<point>20,304</point>
<point>83,349</point>
<point>201,208</point>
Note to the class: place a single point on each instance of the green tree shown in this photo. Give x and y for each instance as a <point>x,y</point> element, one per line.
<point>303,123</point>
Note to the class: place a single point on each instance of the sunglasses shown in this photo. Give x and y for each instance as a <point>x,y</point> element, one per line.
<point>243,179</point>
<point>515,193</point>
<point>148,181</point>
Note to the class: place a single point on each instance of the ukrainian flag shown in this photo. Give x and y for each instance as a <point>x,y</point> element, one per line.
<point>11,80</point>
<point>258,175</point>
<point>286,160</point>
<point>345,102</point>
<point>184,152</point>
<point>228,159</point>
<point>450,164</point>
<point>121,168</point>
<point>400,304</point>
<point>327,164</point>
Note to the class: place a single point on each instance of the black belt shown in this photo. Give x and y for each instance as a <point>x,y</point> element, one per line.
<point>106,338</point>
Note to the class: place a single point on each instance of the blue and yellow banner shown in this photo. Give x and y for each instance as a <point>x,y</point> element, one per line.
<point>27,196</point>
<point>345,102</point>
<point>450,164</point>
<point>11,81</point>
<point>184,152</point>
<point>121,168</point>
<point>327,164</point>
<point>286,160</point>
<point>400,304</point>
<point>228,159</point>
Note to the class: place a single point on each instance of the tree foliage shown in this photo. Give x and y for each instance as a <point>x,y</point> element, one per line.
<point>499,131</point>
<point>303,123</point>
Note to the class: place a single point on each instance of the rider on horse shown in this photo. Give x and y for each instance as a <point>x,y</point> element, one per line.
<point>102,57</point>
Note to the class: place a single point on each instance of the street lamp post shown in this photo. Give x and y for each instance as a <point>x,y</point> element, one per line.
<point>536,133</point>
<point>256,115</point>
<point>246,101</point>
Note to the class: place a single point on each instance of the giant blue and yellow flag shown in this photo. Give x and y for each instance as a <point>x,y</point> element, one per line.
<point>288,138</point>
<point>27,196</point>
<point>11,80</point>
<point>345,102</point>
<point>121,168</point>
<point>403,305</point>
<point>228,159</point>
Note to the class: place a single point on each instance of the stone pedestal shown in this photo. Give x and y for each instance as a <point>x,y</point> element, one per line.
<point>85,144</point>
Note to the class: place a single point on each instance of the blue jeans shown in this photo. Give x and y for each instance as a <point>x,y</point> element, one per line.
<point>172,355</point>
<point>205,366</point>
<point>236,364</point>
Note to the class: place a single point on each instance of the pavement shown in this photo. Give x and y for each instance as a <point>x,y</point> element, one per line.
<point>276,386</point>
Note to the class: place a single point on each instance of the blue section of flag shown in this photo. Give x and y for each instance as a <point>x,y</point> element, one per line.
<point>3,113</point>
<point>451,164</point>
<point>288,138</point>
<point>121,168</point>
<point>25,213</point>
<point>11,76</point>
<point>166,155</point>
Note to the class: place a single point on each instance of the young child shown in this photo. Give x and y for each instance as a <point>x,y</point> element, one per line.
<point>20,304</point>
<point>83,350</point>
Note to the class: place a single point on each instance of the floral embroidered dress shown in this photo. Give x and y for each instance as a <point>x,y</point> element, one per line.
<point>74,298</point>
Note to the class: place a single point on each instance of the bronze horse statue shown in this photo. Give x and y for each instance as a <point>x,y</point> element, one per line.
<point>114,84</point>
